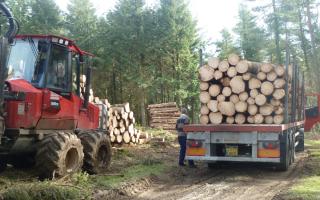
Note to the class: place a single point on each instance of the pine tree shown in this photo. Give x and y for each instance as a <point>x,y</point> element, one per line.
<point>226,45</point>
<point>251,37</point>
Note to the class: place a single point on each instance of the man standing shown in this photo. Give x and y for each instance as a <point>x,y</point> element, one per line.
<point>182,137</point>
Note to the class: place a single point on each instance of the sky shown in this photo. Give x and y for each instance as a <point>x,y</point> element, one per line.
<point>212,15</point>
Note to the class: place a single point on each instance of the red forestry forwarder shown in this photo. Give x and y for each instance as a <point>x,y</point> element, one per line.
<point>43,119</point>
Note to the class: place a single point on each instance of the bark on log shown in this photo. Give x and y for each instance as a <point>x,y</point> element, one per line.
<point>214,62</point>
<point>206,73</point>
<point>226,108</point>
<point>215,117</point>
<point>233,59</point>
<point>162,105</point>
<point>237,85</point>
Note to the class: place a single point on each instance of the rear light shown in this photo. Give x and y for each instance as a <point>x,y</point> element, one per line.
<point>269,149</point>
<point>194,143</point>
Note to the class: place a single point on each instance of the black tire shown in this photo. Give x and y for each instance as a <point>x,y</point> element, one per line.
<point>300,146</point>
<point>3,165</point>
<point>285,157</point>
<point>22,162</point>
<point>59,154</point>
<point>97,151</point>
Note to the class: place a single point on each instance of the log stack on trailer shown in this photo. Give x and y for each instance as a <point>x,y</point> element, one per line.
<point>251,112</point>
<point>163,116</point>
<point>235,91</point>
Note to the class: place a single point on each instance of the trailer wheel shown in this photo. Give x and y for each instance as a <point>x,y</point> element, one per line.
<point>59,154</point>
<point>284,153</point>
<point>300,146</point>
<point>97,151</point>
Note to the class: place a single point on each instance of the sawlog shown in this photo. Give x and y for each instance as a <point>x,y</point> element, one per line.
<point>215,117</point>
<point>227,108</point>
<point>206,73</point>
<point>213,62</point>
<point>233,59</point>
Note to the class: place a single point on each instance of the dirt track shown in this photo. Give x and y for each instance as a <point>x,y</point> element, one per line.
<point>232,181</point>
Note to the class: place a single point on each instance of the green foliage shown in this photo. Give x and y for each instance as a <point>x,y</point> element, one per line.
<point>251,37</point>
<point>226,45</point>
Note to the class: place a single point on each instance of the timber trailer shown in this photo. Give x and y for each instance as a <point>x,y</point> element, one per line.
<point>275,144</point>
<point>46,119</point>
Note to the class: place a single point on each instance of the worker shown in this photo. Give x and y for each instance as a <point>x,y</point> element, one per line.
<point>182,137</point>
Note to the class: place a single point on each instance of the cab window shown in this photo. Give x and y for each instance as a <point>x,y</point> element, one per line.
<point>58,71</point>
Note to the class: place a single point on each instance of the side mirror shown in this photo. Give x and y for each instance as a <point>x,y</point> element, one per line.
<point>88,87</point>
<point>43,46</point>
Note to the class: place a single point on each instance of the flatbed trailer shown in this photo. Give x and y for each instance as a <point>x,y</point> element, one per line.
<point>267,143</point>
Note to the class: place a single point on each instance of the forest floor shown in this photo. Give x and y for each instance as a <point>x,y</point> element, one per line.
<point>150,171</point>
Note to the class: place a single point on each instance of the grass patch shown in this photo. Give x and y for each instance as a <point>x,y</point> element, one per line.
<point>145,168</point>
<point>44,191</point>
<point>308,188</point>
<point>160,133</point>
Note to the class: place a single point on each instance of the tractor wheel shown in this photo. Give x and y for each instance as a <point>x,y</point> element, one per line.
<point>3,165</point>
<point>97,151</point>
<point>59,154</point>
<point>22,162</point>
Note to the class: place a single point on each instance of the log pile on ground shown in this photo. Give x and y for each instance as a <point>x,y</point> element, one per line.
<point>235,91</point>
<point>121,125</point>
<point>163,115</point>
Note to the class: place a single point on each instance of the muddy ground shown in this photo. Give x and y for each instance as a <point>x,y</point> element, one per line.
<point>241,181</point>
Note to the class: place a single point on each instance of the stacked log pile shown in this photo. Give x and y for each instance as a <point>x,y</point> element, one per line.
<point>163,115</point>
<point>236,91</point>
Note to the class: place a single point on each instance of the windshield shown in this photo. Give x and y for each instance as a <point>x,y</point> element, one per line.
<point>22,59</point>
